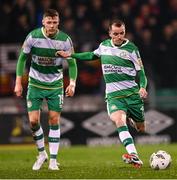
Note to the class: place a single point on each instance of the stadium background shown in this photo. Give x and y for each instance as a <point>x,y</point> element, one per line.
<point>151,25</point>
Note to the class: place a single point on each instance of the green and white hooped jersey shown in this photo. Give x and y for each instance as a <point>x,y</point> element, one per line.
<point>119,66</point>
<point>46,69</point>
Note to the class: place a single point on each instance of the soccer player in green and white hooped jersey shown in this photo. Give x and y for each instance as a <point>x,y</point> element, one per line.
<point>121,63</point>
<point>46,82</point>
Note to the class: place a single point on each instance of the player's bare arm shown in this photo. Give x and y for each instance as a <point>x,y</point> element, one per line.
<point>70,90</point>
<point>18,86</point>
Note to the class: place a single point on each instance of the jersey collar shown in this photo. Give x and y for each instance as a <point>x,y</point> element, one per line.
<point>126,41</point>
<point>53,37</point>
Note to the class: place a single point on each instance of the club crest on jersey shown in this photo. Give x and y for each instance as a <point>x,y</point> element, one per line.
<point>29,103</point>
<point>123,54</point>
<point>142,108</point>
<point>113,107</point>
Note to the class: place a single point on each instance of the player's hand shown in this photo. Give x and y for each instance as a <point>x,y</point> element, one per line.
<point>18,90</point>
<point>70,90</point>
<point>143,93</point>
<point>64,54</point>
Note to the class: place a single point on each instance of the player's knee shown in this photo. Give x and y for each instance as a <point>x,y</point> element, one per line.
<point>119,119</point>
<point>54,117</point>
<point>54,120</point>
<point>33,123</point>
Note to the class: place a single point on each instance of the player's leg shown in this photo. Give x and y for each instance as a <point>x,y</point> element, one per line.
<point>54,138</point>
<point>117,111</point>
<point>136,117</point>
<point>119,118</point>
<point>38,137</point>
<point>34,105</point>
<point>55,102</point>
<point>139,126</point>
<point>136,112</point>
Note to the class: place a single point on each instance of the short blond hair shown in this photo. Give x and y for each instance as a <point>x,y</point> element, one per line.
<point>51,13</point>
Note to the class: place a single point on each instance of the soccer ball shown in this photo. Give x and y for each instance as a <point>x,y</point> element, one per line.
<point>160,160</point>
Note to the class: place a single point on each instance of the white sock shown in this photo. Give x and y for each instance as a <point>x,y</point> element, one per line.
<point>126,139</point>
<point>54,140</point>
<point>38,136</point>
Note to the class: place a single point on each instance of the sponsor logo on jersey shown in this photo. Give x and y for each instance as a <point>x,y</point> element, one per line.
<point>112,69</point>
<point>46,61</point>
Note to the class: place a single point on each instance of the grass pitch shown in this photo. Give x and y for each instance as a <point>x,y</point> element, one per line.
<point>81,162</point>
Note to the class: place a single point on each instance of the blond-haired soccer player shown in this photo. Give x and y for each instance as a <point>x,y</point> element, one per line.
<point>46,82</point>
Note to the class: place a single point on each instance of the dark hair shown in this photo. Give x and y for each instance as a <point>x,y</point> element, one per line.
<point>117,23</point>
<point>51,13</point>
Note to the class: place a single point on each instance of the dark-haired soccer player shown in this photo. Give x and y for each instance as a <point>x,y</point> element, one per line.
<point>121,63</point>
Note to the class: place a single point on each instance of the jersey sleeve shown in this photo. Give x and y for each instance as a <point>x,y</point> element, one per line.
<point>27,45</point>
<point>72,62</point>
<point>97,52</point>
<point>69,45</point>
<point>142,78</point>
<point>85,56</point>
<point>72,69</point>
<point>21,63</point>
<point>26,49</point>
<point>136,58</point>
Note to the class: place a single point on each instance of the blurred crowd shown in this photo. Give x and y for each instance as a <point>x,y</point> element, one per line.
<point>151,25</point>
